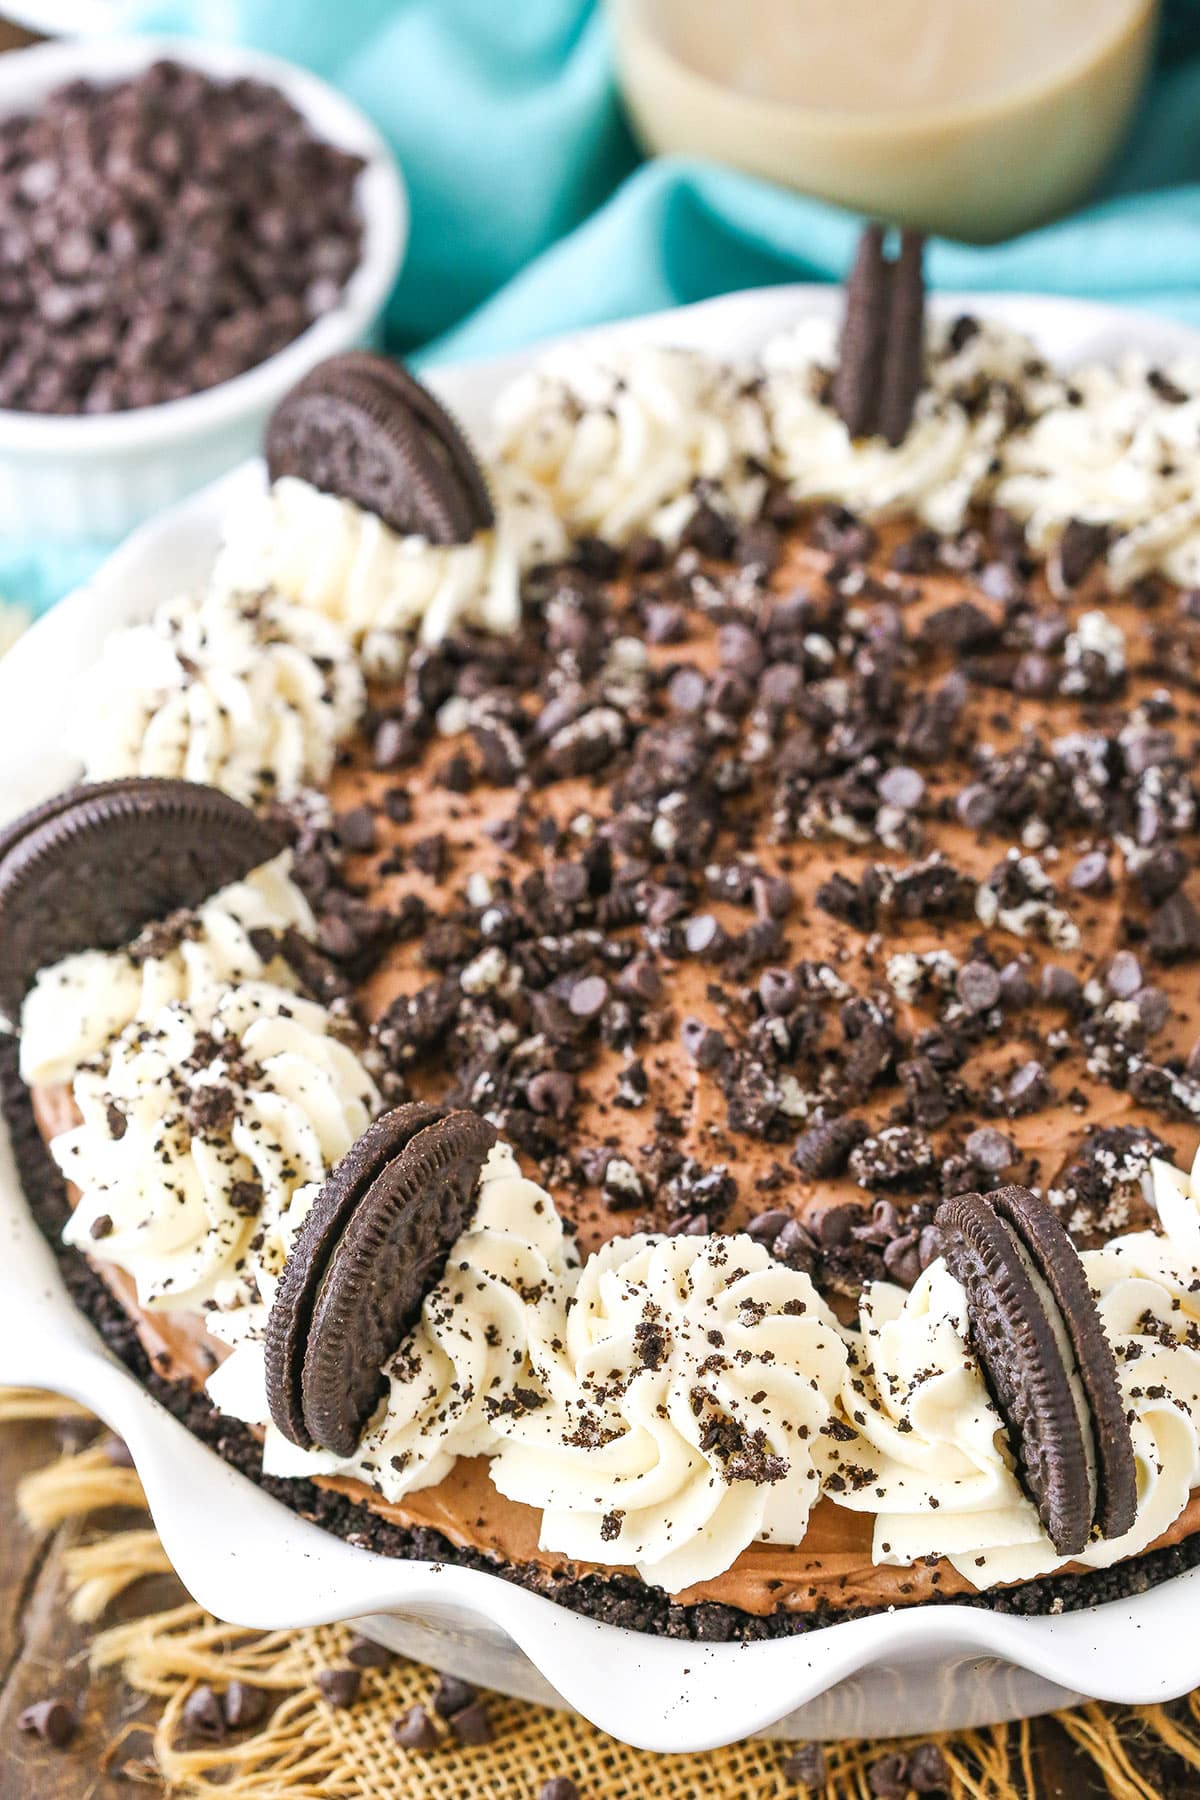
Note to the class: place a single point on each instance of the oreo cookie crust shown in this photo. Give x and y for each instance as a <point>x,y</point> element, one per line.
<point>1048,1364</point>
<point>363,428</point>
<point>90,867</point>
<point>373,1245</point>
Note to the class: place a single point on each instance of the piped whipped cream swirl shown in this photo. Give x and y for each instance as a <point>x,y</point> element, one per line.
<point>930,1457</point>
<point>78,1005</point>
<point>627,439</point>
<point>491,1320</point>
<point>945,460</point>
<point>382,590</point>
<point>241,692</point>
<point>682,1409</point>
<point>190,1131</point>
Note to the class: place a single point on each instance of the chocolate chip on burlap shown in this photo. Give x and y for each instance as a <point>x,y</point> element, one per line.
<point>363,428</point>
<point>1047,1362</point>
<point>89,868</point>
<point>372,1246</point>
<point>881,353</point>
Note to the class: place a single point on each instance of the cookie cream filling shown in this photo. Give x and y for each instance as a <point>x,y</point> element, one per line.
<point>682,1409</point>
<point>627,439</point>
<point>242,692</point>
<point>190,1130</point>
<point>76,1006</point>
<point>326,555</point>
<point>486,1330</point>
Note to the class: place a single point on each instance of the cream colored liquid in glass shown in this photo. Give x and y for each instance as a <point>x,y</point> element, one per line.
<point>977,118</point>
<point>873,56</point>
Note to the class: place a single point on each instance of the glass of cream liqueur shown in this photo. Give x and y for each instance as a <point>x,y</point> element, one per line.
<point>973,118</point>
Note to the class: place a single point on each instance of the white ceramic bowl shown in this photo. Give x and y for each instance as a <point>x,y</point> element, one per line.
<point>253,1562</point>
<point>96,477</point>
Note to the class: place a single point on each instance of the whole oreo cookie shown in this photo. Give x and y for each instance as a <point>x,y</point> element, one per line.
<point>370,1249</point>
<point>363,428</point>
<point>90,867</point>
<point>1047,1361</point>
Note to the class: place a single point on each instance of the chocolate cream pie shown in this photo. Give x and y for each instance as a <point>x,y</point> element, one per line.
<point>782,841</point>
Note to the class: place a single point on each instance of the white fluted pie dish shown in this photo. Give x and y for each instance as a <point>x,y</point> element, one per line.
<point>252,1561</point>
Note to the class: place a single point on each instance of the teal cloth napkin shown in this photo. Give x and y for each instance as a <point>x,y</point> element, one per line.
<point>531,213</point>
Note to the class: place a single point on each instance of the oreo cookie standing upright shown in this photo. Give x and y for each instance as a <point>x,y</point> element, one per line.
<point>1047,1361</point>
<point>372,1246</point>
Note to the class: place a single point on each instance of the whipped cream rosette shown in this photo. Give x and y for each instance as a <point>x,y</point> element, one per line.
<point>241,692</point>
<point>682,1408</point>
<point>930,1458</point>
<point>626,439</point>
<point>486,1326</point>
<point>189,1131</point>
<point>330,557</point>
<point>78,1004</point>
<point>945,460</point>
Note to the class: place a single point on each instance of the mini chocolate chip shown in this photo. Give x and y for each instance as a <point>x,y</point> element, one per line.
<point>552,1091</point>
<point>244,1706</point>
<point>978,986</point>
<point>887,1778</point>
<point>451,1695</point>
<point>1161,872</point>
<point>1028,1088</point>
<point>686,690</point>
<point>340,1687</point>
<point>1091,874</point>
<point>54,1721</point>
<point>641,980</point>
<point>705,1046</point>
<point>365,1653</point>
<point>704,935</point>
<point>471,1726</point>
<point>772,895</point>
<point>928,1771</point>
<point>795,1246</point>
<point>975,807</point>
<point>416,1730</point>
<point>1124,976</point>
<point>1060,987</point>
<point>990,1150</point>
<point>836,1224</point>
<point>1175,929</point>
<point>903,787</point>
<point>779,990</point>
<point>902,1260</point>
<point>929,1245</point>
<point>203,1715</point>
<point>665,623</point>
<point>567,881</point>
<point>1034,676</point>
<point>807,1767</point>
<point>1016,989</point>
<point>765,1227</point>
<point>1153,1009</point>
<point>587,997</point>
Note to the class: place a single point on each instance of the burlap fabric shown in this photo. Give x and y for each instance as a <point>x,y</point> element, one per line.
<point>309,1750</point>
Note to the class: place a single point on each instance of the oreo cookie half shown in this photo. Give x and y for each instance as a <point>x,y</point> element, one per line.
<point>90,867</point>
<point>363,428</point>
<point>374,1243</point>
<point>1048,1364</point>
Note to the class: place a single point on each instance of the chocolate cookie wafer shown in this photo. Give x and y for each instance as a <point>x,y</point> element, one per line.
<point>372,1246</point>
<point>91,866</point>
<point>363,428</point>
<point>1047,1361</point>
<point>881,352</point>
